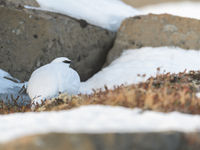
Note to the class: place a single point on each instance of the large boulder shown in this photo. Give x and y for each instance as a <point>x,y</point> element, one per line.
<point>123,141</point>
<point>32,38</point>
<point>154,31</point>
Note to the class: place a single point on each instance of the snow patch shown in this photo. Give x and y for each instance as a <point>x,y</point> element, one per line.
<point>95,119</point>
<point>126,68</point>
<point>183,9</point>
<point>9,89</point>
<point>5,83</point>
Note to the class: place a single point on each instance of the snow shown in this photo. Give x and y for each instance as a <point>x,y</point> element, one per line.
<point>107,14</point>
<point>184,9</point>
<point>4,74</point>
<point>6,84</point>
<point>95,119</point>
<point>9,88</point>
<point>126,68</point>
<point>51,79</point>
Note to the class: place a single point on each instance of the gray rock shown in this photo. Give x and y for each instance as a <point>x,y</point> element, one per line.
<point>123,141</point>
<point>170,28</point>
<point>155,31</point>
<point>32,38</point>
<point>19,3</point>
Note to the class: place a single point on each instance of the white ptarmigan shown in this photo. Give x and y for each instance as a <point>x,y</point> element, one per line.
<point>49,80</point>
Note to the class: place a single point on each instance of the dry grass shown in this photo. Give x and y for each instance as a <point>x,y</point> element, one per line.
<point>7,108</point>
<point>165,93</point>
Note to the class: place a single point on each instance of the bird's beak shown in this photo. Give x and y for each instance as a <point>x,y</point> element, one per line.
<point>67,61</point>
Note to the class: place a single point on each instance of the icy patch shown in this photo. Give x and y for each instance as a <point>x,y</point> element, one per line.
<point>126,68</point>
<point>107,14</point>
<point>95,119</point>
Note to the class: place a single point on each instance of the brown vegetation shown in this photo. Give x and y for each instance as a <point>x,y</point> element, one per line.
<point>165,93</point>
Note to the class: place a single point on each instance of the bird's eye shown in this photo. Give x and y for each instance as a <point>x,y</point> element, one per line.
<point>67,61</point>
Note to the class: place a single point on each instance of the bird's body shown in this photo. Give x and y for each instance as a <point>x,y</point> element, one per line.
<point>52,79</point>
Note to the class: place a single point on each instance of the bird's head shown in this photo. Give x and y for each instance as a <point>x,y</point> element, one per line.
<point>62,60</point>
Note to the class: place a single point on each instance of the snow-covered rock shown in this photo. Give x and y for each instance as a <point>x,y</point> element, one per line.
<point>107,14</point>
<point>155,31</point>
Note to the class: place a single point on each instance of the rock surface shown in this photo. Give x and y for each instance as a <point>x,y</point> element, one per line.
<point>19,3</point>
<point>132,141</point>
<point>30,39</point>
<point>154,31</point>
<point>141,3</point>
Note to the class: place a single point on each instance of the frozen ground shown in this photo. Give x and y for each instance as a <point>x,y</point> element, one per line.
<point>95,119</point>
<point>184,9</point>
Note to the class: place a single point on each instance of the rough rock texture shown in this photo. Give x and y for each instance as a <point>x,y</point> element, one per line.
<point>156,30</point>
<point>135,141</point>
<point>19,3</point>
<point>30,39</point>
<point>141,3</point>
